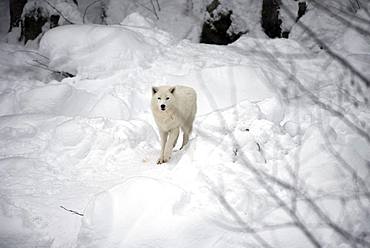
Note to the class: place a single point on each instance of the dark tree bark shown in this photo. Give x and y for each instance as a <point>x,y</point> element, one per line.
<point>271,23</point>
<point>302,7</point>
<point>15,8</point>
<point>285,34</point>
<point>54,19</point>
<point>32,24</point>
<point>214,31</point>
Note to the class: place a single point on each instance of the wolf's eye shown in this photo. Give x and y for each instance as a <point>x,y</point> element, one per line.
<point>167,98</point>
<point>159,98</point>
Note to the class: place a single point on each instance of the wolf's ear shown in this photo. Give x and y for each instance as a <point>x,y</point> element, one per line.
<point>154,90</point>
<point>172,89</point>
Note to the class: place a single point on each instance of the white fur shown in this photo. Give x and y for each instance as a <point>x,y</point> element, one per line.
<point>180,108</point>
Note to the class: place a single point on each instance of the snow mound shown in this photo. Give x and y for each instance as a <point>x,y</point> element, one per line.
<point>134,208</point>
<point>64,99</point>
<point>94,50</point>
<point>273,109</point>
<point>137,20</point>
<point>276,47</point>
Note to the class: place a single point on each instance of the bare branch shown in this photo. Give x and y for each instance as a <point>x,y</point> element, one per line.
<point>154,10</point>
<point>243,225</point>
<point>87,7</point>
<point>328,8</point>
<point>59,12</point>
<point>259,175</point>
<point>27,51</point>
<point>327,49</point>
<point>158,6</point>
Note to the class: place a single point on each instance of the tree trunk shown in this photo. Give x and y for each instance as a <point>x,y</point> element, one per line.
<point>32,24</point>
<point>16,9</point>
<point>302,7</point>
<point>271,23</point>
<point>215,30</point>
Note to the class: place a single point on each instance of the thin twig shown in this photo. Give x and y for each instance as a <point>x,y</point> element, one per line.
<point>328,9</point>
<point>154,10</point>
<point>261,179</point>
<point>72,211</point>
<point>45,67</point>
<point>151,11</point>
<point>40,63</point>
<point>88,6</point>
<point>242,224</point>
<point>39,66</point>
<point>30,51</point>
<point>159,7</point>
<point>261,152</point>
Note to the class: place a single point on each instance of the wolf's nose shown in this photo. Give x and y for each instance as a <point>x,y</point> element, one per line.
<point>163,106</point>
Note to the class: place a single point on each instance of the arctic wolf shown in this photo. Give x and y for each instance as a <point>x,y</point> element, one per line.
<point>173,107</point>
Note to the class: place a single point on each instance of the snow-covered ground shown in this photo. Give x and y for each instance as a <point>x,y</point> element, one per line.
<point>268,162</point>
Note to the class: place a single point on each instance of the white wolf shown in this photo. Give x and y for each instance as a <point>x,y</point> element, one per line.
<point>173,107</point>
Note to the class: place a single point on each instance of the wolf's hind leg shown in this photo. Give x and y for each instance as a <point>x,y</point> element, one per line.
<point>177,136</point>
<point>185,139</point>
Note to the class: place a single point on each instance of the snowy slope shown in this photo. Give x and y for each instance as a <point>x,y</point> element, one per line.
<point>89,144</point>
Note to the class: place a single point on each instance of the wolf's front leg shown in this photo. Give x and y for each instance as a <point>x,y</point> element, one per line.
<point>172,138</point>
<point>163,145</point>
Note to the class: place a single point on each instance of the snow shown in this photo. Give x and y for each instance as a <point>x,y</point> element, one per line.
<point>245,16</point>
<point>344,36</point>
<point>273,109</point>
<point>179,18</point>
<point>89,143</point>
<point>140,203</point>
<point>76,54</point>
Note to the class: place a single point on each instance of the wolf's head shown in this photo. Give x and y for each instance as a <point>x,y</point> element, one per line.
<point>163,97</point>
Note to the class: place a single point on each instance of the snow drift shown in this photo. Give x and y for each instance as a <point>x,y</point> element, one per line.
<point>116,47</point>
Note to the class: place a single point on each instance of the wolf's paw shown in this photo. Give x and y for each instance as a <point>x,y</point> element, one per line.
<point>162,160</point>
